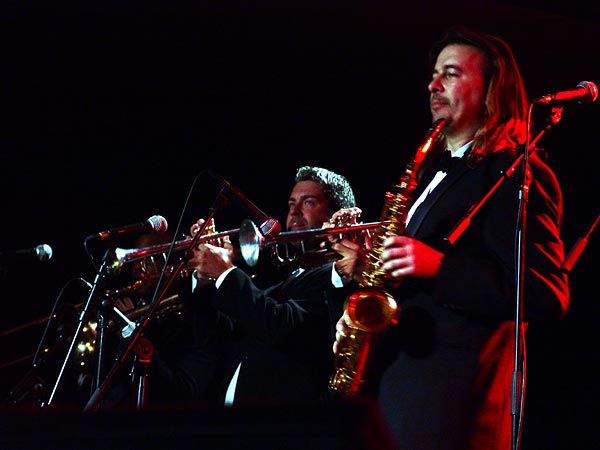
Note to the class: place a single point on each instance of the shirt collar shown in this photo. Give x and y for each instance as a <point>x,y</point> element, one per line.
<point>461,151</point>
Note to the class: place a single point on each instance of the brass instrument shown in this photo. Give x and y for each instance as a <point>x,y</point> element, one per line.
<point>252,241</point>
<point>124,256</point>
<point>85,348</point>
<point>168,306</point>
<point>372,308</point>
<point>60,325</point>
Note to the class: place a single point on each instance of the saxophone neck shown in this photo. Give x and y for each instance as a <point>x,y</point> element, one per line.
<point>432,136</point>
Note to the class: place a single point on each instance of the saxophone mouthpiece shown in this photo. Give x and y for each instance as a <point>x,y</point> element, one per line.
<point>437,125</point>
<point>433,135</point>
<point>436,128</point>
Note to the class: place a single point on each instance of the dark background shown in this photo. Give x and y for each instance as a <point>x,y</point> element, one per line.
<point>112,111</point>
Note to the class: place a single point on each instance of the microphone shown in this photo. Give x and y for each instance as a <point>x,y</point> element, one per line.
<point>42,252</point>
<point>585,92</point>
<point>156,224</point>
<point>269,226</point>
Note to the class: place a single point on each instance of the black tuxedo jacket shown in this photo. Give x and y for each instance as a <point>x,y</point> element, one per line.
<point>445,369</point>
<point>282,335</point>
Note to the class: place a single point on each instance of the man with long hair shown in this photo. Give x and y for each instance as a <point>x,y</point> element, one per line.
<point>443,374</point>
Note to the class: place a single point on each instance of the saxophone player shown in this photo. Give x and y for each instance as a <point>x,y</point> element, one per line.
<point>443,374</point>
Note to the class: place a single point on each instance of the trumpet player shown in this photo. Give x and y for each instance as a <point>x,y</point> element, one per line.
<point>443,374</point>
<point>276,341</point>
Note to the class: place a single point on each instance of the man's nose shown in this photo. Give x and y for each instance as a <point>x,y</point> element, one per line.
<point>435,85</point>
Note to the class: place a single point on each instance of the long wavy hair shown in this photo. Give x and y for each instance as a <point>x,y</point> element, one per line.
<point>506,102</point>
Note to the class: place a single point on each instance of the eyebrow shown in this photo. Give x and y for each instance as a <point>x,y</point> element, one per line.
<point>448,66</point>
<point>303,197</point>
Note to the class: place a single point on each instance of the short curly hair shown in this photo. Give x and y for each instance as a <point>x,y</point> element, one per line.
<point>336,187</point>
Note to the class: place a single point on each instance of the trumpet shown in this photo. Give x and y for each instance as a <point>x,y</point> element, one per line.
<point>124,255</point>
<point>252,241</point>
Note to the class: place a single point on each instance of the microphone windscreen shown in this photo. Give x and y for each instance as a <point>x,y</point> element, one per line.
<point>44,252</point>
<point>592,90</point>
<point>270,227</point>
<point>158,223</point>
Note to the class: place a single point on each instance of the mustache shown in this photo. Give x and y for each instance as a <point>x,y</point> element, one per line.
<point>438,99</point>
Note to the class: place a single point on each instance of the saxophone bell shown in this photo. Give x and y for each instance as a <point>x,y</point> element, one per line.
<point>368,311</point>
<point>372,309</point>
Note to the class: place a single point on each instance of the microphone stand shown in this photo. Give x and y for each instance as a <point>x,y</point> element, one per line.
<point>82,317</point>
<point>101,328</point>
<point>522,160</point>
<point>462,225</point>
<point>137,343</point>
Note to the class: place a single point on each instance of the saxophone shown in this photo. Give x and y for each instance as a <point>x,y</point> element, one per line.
<point>372,308</point>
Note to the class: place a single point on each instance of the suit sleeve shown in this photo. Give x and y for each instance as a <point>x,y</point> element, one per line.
<point>187,356</point>
<point>274,313</point>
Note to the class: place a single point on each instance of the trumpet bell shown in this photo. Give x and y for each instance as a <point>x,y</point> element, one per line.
<point>250,240</point>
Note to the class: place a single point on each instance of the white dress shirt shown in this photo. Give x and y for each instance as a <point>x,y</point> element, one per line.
<point>439,176</point>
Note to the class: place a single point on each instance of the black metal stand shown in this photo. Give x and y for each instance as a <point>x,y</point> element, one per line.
<point>133,342</point>
<point>101,331</point>
<point>462,225</point>
<point>139,372</point>
<point>82,321</point>
<point>521,161</point>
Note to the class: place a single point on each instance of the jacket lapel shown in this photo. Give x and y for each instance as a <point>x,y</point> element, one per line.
<point>431,200</point>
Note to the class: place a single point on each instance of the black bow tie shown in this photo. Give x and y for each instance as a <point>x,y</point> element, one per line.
<point>445,161</point>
